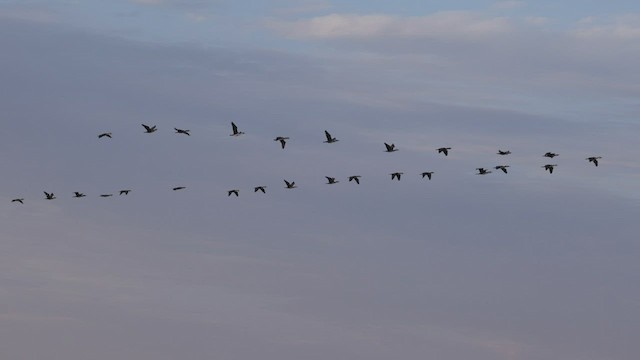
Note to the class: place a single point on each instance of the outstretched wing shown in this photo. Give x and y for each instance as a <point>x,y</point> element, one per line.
<point>234,127</point>
<point>326,133</point>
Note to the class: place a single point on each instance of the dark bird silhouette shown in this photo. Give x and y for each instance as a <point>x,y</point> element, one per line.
<point>234,191</point>
<point>107,134</point>
<point>390,148</point>
<point>106,195</point>
<point>594,159</point>
<point>355,178</point>
<point>500,152</point>
<point>483,171</point>
<point>234,128</point>
<point>331,180</point>
<point>282,139</point>
<point>20,200</point>
<point>259,188</point>
<point>444,150</point>
<point>290,185</point>
<point>78,194</point>
<point>550,155</point>
<point>549,167</point>
<point>49,196</point>
<point>149,129</point>
<point>427,174</point>
<point>124,192</point>
<point>179,188</point>
<point>501,167</point>
<point>329,138</point>
<point>181,131</point>
<point>396,175</point>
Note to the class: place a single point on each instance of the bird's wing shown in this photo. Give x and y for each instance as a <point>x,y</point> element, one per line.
<point>326,133</point>
<point>283,142</point>
<point>146,127</point>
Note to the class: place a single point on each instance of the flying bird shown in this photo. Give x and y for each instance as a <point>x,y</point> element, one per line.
<point>290,185</point>
<point>20,200</point>
<point>259,188</point>
<point>49,196</point>
<point>234,191</point>
<point>149,129</point>
<point>282,139</point>
<point>124,192</point>
<point>106,195</point>
<point>181,131</point>
<point>549,167</point>
<point>331,180</point>
<point>500,152</point>
<point>501,167</point>
<point>179,188</point>
<point>329,138</point>
<point>444,150</point>
<point>483,171</point>
<point>78,194</point>
<point>355,178</point>
<point>390,148</point>
<point>234,128</point>
<point>550,155</point>
<point>107,134</point>
<point>396,175</point>
<point>427,174</point>
<point>594,159</point>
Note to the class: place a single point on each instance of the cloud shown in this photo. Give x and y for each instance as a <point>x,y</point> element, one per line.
<point>624,27</point>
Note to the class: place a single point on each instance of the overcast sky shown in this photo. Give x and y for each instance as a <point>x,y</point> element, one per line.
<point>520,266</point>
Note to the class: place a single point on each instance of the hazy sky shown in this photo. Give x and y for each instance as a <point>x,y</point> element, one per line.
<point>518,266</point>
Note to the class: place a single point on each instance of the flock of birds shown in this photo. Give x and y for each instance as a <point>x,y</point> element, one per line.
<point>330,180</point>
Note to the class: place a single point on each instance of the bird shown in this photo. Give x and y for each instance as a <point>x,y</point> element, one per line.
<point>149,129</point>
<point>282,139</point>
<point>550,155</point>
<point>259,188</point>
<point>107,134</point>
<point>49,196</point>
<point>106,195</point>
<point>507,152</point>
<point>390,148</point>
<point>550,167</point>
<point>501,167</point>
<point>234,191</point>
<point>329,138</point>
<point>181,131</point>
<point>444,150</point>
<point>234,128</point>
<point>290,185</point>
<point>355,178</point>
<point>20,200</point>
<point>594,159</point>
<point>483,171</point>
<point>331,180</point>
<point>396,175</point>
<point>427,174</point>
<point>179,188</point>
<point>124,192</point>
<point>78,194</point>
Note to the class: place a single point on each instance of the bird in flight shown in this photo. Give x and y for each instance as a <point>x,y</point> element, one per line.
<point>331,180</point>
<point>427,174</point>
<point>290,185</point>
<point>396,175</point>
<point>444,150</point>
<point>550,155</point>
<point>107,134</point>
<point>390,148</point>
<point>78,194</point>
<point>259,188</point>
<point>234,191</point>
<point>355,178</point>
<point>179,188</point>
<point>282,139</point>
<point>49,196</point>
<point>501,167</point>
<point>549,167</point>
<point>594,159</point>
<point>500,152</point>
<point>149,129</point>
<point>234,128</point>
<point>483,171</point>
<point>329,138</point>
<point>106,195</point>
<point>181,131</point>
<point>20,200</point>
<point>124,192</point>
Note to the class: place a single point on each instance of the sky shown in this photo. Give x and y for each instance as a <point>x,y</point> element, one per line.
<point>520,266</point>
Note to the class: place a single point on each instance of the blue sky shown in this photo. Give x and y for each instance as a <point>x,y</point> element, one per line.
<point>524,265</point>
